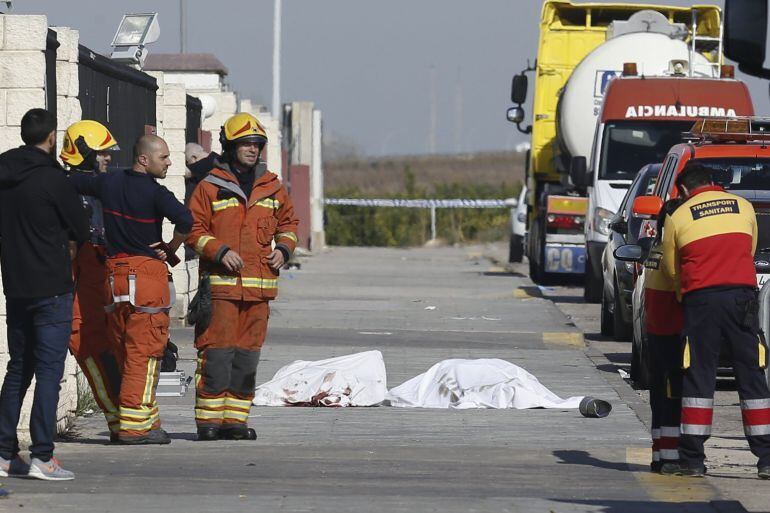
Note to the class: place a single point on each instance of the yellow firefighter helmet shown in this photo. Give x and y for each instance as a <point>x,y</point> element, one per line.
<point>242,127</point>
<point>82,138</point>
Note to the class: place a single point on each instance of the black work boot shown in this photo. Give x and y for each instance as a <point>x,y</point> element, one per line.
<point>764,472</point>
<point>238,433</point>
<point>677,469</point>
<point>207,434</point>
<point>153,437</point>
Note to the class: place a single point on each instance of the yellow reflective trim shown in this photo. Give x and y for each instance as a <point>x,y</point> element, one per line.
<point>259,283</point>
<point>222,280</point>
<point>288,235</point>
<point>267,203</point>
<point>101,390</point>
<point>237,415</point>
<point>216,206</point>
<point>240,403</point>
<point>200,401</point>
<point>147,395</point>
<point>202,241</point>
<point>127,424</point>
<point>208,414</point>
<point>133,412</point>
<point>686,354</point>
<point>762,355</point>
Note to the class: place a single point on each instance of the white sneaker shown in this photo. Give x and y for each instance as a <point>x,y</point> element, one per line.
<point>16,467</point>
<point>49,470</point>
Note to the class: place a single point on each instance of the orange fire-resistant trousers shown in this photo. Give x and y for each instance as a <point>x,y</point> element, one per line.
<point>228,354</point>
<point>89,343</point>
<point>138,325</point>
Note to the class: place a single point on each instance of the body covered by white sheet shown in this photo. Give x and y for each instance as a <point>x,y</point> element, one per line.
<point>351,380</point>
<point>482,383</point>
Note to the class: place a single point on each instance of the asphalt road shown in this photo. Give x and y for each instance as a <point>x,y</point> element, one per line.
<point>386,459</point>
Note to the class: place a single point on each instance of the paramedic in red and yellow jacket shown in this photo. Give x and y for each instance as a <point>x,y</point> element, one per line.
<point>708,245</point>
<point>240,209</point>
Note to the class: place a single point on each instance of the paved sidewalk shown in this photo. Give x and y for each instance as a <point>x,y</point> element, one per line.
<point>387,459</point>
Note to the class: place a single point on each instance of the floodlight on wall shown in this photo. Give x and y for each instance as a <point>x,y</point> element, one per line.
<point>134,32</point>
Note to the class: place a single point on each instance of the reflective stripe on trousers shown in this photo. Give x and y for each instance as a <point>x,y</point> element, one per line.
<point>697,415</point>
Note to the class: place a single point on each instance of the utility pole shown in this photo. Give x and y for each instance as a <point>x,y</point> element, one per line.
<point>458,111</point>
<point>277,59</point>
<point>433,114</point>
<point>182,27</point>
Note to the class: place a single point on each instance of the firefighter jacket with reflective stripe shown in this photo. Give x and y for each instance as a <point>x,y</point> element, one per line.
<point>662,310</point>
<point>710,241</point>
<point>226,220</point>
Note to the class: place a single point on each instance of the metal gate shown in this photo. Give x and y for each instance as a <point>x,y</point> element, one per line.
<point>121,97</point>
<point>51,45</point>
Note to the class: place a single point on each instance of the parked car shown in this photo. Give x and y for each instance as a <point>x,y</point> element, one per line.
<point>619,277</point>
<point>742,169</point>
<point>518,228</point>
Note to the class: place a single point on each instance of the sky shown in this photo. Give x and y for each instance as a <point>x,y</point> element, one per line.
<point>369,66</point>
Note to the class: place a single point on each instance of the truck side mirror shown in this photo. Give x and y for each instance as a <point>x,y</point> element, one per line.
<point>578,172</point>
<point>647,207</point>
<point>746,35</point>
<point>515,115</point>
<point>519,89</point>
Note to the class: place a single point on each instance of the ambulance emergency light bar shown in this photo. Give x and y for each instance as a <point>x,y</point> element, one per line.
<point>734,129</point>
<point>134,32</point>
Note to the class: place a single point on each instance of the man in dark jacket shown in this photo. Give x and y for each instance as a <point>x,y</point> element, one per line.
<point>41,222</point>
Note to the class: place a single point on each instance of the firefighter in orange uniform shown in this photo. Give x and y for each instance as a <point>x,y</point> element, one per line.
<point>86,150</point>
<point>138,292</point>
<point>240,209</point>
<point>708,245</point>
<point>663,325</point>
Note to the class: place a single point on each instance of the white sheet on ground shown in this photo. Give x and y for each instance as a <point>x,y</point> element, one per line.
<point>482,383</point>
<point>351,380</point>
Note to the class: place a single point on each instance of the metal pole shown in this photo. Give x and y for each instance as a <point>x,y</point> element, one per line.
<point>433,123</point>
<point>277,59</point>
<point>432,223</point>
<point>182,28</point>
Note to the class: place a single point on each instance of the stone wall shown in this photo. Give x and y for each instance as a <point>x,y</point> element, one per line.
<point>22,87</point>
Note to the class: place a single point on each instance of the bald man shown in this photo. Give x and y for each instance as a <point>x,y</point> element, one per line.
<point>139,284</point>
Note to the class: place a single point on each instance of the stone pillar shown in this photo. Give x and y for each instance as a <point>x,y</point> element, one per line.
<point>317,234</point>
<point>171,114</point>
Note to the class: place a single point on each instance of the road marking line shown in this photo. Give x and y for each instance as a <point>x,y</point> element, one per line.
<point>564,338</point>
<point>667,488</point>
<point>522,294</point>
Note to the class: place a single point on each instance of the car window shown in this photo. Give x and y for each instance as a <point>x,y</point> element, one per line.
<point>739,173</point>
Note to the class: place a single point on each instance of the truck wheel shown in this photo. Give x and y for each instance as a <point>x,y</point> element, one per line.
<point>620,328</point>
<point>516,248</point>
<point>592,291</point>
<point>606,317</point>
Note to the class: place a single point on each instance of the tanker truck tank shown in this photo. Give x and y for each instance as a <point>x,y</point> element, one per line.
<point>581,98</point>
